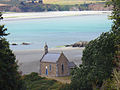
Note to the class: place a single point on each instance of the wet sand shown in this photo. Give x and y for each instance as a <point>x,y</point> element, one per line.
<point>53,14</point>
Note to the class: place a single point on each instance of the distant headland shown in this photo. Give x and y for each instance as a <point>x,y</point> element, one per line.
<point>52,5</point>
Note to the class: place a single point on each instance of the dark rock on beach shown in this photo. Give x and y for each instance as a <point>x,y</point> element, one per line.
<point>14,44</point>
<point>25,43</point>
<point>68,45</point>
<point>78,44</point>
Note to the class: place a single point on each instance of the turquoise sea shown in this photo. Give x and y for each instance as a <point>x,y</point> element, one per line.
<point>56,31</point>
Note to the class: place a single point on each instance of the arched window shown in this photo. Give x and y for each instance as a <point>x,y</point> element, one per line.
<point>62,68</point>
<point>50,67</point>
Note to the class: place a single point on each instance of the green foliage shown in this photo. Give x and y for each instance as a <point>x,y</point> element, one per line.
<point>58,2</point>
<point>116,18</point>
<point>80,80</point>
<point>32,77</point>
<point>99,58</point>
<point>10,79</point>
<point>97,63</point>
<point>65,87</point>
<point>32,7</point>
<point>3,31</point>
<point>34,82</point>
<point>114,83</point>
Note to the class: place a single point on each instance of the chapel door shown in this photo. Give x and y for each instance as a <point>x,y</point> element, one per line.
<point>46,71</point>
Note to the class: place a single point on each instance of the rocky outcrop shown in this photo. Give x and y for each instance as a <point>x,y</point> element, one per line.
<point>78,44</point>
<point>25,43</point>
<point>14,44</point>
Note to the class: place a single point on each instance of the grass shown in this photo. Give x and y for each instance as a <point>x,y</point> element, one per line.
<point>70,2</point>
<point>35,82</point>
<point>66,79</point>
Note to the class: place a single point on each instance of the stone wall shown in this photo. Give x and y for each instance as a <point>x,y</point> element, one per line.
<point>44,65</point>
<point>63,60</point>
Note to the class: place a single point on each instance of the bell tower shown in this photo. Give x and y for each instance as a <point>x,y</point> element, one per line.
<point>45,49</point>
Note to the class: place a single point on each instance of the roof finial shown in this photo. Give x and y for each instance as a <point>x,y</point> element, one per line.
<point>46,48</point>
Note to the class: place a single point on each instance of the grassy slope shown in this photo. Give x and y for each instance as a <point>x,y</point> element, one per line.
<point>70,2</point>
<point>34,82</point>
<point>64,80</point>
<point>63,2</point>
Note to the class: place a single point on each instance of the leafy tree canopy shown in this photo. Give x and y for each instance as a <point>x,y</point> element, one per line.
<point>98,59</point>
<point>10,78</point>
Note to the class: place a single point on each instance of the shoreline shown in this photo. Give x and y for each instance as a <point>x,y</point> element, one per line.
<point>50,49</point>
<point>54,14</point>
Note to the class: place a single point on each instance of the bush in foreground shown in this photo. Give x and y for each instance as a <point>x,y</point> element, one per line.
<point>35,82</point>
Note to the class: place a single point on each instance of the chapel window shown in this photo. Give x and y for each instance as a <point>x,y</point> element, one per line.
<point>62,68</point>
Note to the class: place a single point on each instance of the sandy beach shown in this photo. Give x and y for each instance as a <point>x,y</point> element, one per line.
<point>29,60</point>
<point>53,14</point>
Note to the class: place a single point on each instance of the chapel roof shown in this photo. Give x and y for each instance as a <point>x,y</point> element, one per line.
<point>51,57</point>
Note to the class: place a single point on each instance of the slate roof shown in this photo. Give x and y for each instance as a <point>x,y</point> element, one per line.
<point>71,65</point>
<point>51,57</point>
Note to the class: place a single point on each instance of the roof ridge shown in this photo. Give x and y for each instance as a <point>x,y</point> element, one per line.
<point>53,53</point>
